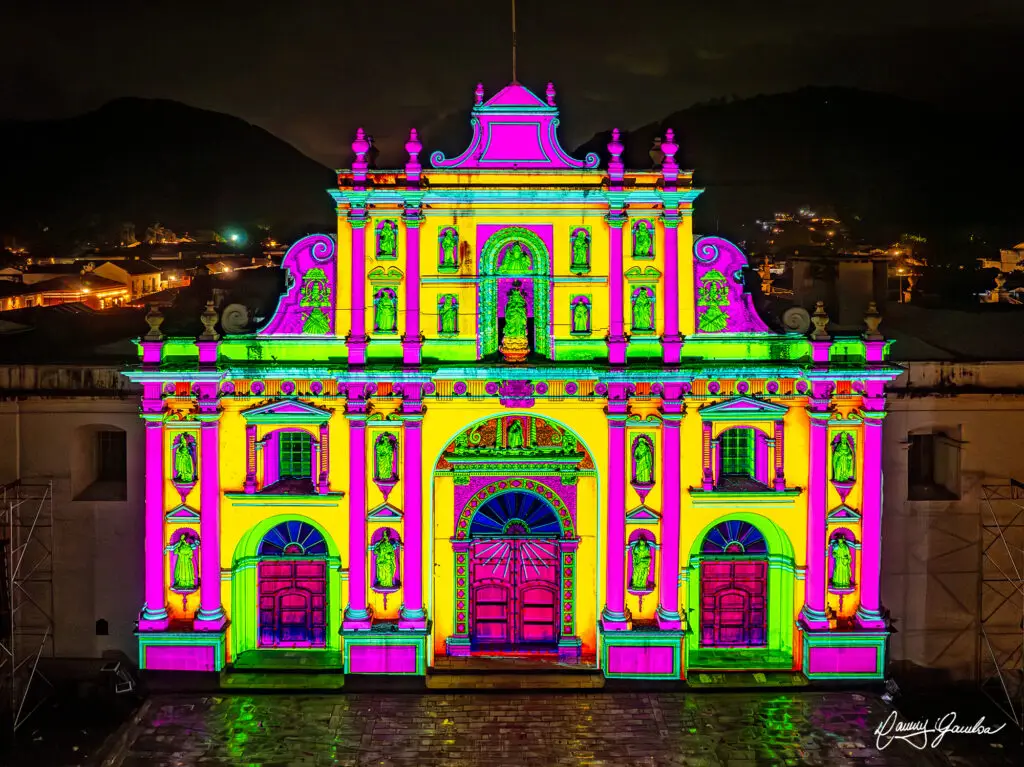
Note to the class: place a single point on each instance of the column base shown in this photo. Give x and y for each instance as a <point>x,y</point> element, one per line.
<point>642,654</point>
<point>829,655</point>
<point>383,652</point>
<point>153,620</point>
<point>210,621</point>
<point>412,350</point>
<point>181,651</point>
<point>357,349</point>
<point>814,620</point>
<point>617,350</point>
<point>870,620</point>
<point>668,621</point>
<point>412,620</point>
<point>672,347</point>
<point>613,621</point>
<point>356,620</point>
<point>569,648</point>
<point>457,647</point>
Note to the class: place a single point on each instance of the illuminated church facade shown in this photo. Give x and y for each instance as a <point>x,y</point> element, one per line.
<point>514,407</point>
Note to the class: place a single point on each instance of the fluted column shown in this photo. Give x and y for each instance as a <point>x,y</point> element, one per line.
<point>613,618</point>
<point>154,612</point>
<point>668,606</point>
<point>616,332</point>
<point>357,614</point>
<point>412,615</point>
<point>869,614</point>
<point>813,614</point>
<point>411,341</point>
<point>357,338</point>
<point>210,616</point>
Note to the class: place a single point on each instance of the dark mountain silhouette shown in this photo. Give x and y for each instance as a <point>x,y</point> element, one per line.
<point>148,161</point>
<point>885,164</point>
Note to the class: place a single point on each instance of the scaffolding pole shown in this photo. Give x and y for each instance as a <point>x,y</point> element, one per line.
<point>1001,599</point>
<point>26,597</point>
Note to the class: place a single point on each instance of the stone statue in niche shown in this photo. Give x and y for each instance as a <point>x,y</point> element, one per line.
<point>842,458</point>
<point>183,576</point>
<point>580,250</point>
<point>643,310</point>
<point>643,462</point>
<point>516,261</point>
<point>514,435</point>
<point>185,459</point>
<point>640,553</point>
<point>385,552</point>
<point>514,344</point>
<point>449,241</point>
<point>316,294</point>
<point>385,312</point>
<point>449,313</point>
<point>842,561</point>
<point>580,317</point>
<point>713,294</point>
<point>387,239</point>
<point>385,454</point>
<point>642,240</point>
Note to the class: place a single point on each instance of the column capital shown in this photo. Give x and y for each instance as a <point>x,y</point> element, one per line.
<point>412,218</point>
<point>873,417</point>
<point>616,218</point>
<point>671,219</point>
<point>357,218</point>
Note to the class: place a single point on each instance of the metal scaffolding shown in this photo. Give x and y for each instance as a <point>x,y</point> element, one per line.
<point>1001,598</point>
<point>26,597</point>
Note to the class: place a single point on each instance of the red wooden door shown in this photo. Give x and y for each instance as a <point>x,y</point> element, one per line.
<point>733,603</point>
<point>292,603</point>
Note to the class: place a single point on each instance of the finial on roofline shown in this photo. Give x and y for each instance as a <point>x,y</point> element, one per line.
<point>209,319</point>
<point>360,146</point>
<point>820,320</point>
<point>550,93</point>
<point>413,166</point>
<point>154,319</point>
<point>479,93</point>
<point>616,169</point>
<point>872,319</point>
<point>669,166</point>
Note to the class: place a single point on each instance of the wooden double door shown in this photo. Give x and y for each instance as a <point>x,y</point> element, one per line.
<point>734,603</point>
<point>292,603</point>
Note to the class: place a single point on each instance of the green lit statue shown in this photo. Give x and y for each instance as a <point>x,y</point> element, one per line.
<point>515,314</point>
<point>385,554</point>
<point>515,435</point>
<point>580,246</point>
<point>184,574</point>
<point>580,317</point>
<point>448,242</point>
<point>842,559</point>
<point>642,241</point>
<point>387,238</point>
<point>640,552</point>
<point>516,261</point>
<point>185,460</point>
<point>449,311</point>
<point>386,312</point>
<point>385,450</point>
<point>643,314</point>
<point>842,458</point>
<point>316,294</point>
<point>643,460</point>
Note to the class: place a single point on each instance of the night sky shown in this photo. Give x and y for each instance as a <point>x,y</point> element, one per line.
<point>311,72</point>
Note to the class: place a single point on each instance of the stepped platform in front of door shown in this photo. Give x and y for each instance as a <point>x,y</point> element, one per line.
<point>283,669</point>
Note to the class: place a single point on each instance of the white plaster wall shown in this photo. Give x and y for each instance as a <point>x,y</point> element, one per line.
<point>932,561</point>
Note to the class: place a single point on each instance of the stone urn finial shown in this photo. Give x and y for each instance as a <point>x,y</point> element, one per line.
<point>154,319</point>
<point>669,147</point>
<point>209,319</point>
<point>820,321</point>
<point>616,169</point>
<point>479,94</point>
<point>413,147</point>
<point>360,146</point>
<point>550,93</point>
<point>872,319</point>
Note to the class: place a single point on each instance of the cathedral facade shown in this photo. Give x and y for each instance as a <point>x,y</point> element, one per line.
<point>515,407</point>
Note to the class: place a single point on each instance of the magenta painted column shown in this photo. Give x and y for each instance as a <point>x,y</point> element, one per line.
<point>671,342</point>
<point>412,342</point>
<point>412,615</point>
<point>357,339</point>
<point>708,477</point>
<point>250,458</point>
<point>668,608</point>
<point>779,454</point>
<point>210,616</point>
<point>323,483</point>
<point>154,612</point>
<point>813,615</point>
<point>613,618</point>
<point>616,335</point>
<point>869,614</point>
<point>357,614</point>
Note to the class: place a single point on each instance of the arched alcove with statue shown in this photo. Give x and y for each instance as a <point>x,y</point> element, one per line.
<point>510,495</point>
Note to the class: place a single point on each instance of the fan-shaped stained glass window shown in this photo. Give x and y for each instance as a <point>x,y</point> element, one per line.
<point>293,539</point>
<point>734,537</point>
<point>515,513</point>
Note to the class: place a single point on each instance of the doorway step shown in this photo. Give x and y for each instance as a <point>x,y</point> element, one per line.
<point>744,680</point>
<point>280,670</point>
<point>481,671</point>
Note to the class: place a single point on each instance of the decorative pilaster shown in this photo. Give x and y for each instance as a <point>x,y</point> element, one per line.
<point>668,607</point>
<point>412,341</point>
<point>672,341</point>
<point>613,617</point>
<point>707,475</point>
<point>779,454</point>
<point>616,337</point>
<point>813,613</point>
<point>250,458</point>
<point>412,615</point>
<point>869,614</point>
<point>323,483</point>
<point>154,613</point>
<point>210,616</point>
<point>357,614</point>
<point>357,339</point>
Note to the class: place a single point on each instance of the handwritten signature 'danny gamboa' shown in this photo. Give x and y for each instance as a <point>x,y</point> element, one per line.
<point>923,734</point>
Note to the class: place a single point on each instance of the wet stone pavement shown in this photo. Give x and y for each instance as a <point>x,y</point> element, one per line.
<point>545,729</point>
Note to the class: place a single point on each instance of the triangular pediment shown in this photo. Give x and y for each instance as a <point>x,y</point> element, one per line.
<point>843,513</point>
<point>640,515</point>
<point>384,512</point>
<point>743,408</point>
<point>182,513</point>
<point>286,411</point>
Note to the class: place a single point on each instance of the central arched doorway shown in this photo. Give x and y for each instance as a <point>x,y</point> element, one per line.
<point>292,587</point>
<point>734,586</point>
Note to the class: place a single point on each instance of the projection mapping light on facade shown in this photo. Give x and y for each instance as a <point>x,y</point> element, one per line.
<point>513,406</point>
